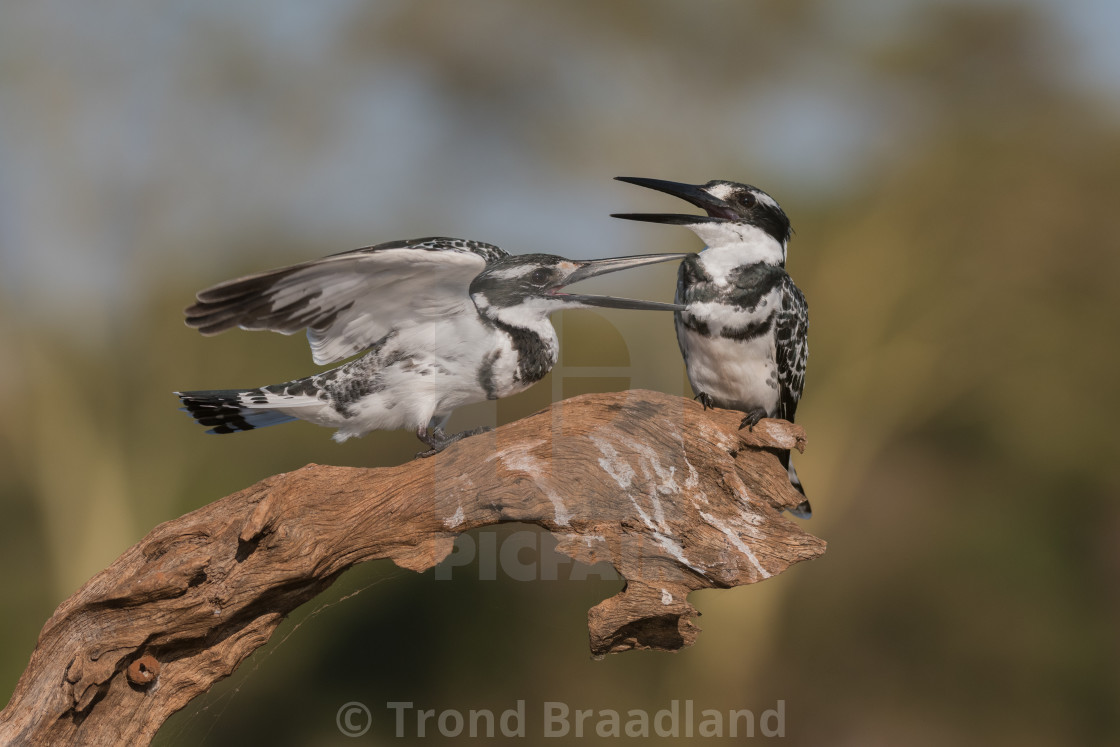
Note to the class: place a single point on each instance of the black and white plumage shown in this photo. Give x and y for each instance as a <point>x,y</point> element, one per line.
<point>442,322</point>
<point>744,330</point>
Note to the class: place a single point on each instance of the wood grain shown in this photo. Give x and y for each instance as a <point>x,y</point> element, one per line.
<point>676,498</point>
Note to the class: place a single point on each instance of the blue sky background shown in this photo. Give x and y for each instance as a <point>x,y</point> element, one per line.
<point>139,138</point>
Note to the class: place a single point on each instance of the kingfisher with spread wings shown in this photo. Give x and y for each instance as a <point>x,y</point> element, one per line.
<point>442,323</point>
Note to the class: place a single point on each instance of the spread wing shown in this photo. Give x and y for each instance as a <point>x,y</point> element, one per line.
<point>350,300</point>
<point>791,327</point>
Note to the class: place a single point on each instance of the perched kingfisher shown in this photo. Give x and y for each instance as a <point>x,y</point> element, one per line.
<point>744,329</point>
<point>442,322</point>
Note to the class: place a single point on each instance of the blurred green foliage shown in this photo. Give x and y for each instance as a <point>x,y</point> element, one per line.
<point>958,403</point>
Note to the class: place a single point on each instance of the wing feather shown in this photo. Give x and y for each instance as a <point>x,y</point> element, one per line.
<point>350,300</point>
<point>792,336</point>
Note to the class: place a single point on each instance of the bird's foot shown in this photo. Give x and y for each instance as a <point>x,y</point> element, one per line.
<point>752,418</point>
<point>437,440</point>
<point>704,399</point>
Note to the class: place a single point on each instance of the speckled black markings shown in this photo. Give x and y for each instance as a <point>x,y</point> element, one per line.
<point>748,331</point>
<point>378,345</point>
<point>690,273</point>
<point>486,375</point>
<point>533,357</point>
<point>343,387</point>
<point>405,361</point>
<point>791,333</point>
<point>754,283</point>
<point>351,383</point>
<point>489,252</point>
<point>742,334</point>
<point>688,321</point>
<point>308,387</point>
<point>327,376</point>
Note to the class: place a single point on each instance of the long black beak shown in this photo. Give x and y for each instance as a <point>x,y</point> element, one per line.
<point>594,267</point>
<point>717,210</point>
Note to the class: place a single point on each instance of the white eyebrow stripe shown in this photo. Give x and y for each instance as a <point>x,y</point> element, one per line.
<point>508,273</point>
<point>721,190</point>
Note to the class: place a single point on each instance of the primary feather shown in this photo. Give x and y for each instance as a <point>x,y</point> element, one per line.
<point>350,300</point>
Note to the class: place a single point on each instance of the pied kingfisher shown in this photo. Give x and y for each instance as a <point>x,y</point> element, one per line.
<point>743,332</point>
<point>443,323</point>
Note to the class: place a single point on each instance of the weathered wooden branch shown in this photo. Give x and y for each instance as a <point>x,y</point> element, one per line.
<point>675,497</point>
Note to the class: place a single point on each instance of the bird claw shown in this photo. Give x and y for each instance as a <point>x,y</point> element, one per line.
<point>474,432</point>
<point>751,419</point>
<point>705,400</point>
<point>438,440</point>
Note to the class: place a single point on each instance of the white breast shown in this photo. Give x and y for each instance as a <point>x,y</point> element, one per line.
<point>736,375</point>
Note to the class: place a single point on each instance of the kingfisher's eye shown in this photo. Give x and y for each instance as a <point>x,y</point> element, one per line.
<point>747,199</point>
<point>540,277</point>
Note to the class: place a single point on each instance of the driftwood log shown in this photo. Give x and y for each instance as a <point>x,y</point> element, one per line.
<point>676,498</point>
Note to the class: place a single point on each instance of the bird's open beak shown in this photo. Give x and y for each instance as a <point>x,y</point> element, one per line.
<point>717,210</point>
<point>595,267</point>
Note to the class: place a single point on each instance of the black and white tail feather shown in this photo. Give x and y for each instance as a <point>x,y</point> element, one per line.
<point>230,410</point>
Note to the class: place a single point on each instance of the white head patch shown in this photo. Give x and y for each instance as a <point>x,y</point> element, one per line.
<point>721,190</point>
